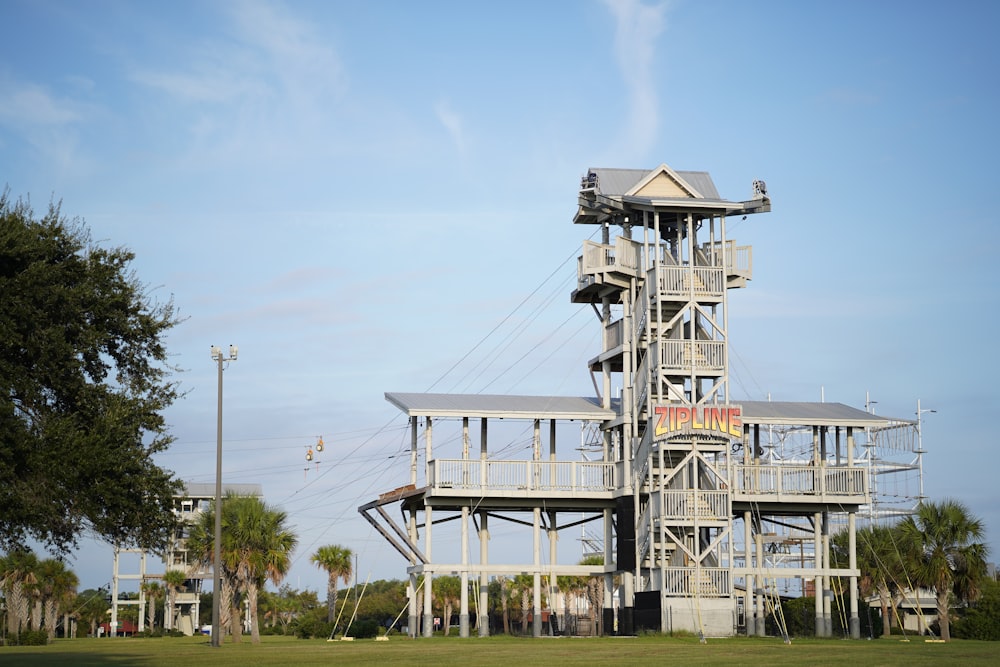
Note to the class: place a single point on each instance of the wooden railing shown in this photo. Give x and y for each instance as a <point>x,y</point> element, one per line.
<point>622,256</point>
<point>682,281</point>
<point>491,475</point>
<point>799,480</point>
<point>688,504</point>
<point>697,582</point>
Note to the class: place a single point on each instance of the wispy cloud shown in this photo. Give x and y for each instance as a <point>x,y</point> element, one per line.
<point>267,92</point>
<point>637,27</point>
<point>31,105</point>
<point>452,122</point>
<point>44,120</point>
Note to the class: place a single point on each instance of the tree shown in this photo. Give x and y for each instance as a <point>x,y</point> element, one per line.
<point>448,590</point>
<point>982,619</point>
<point>336,561</point>
<point>17,579</point>
<point>943,543</point>
<point>83,384</point>
<point>595,592</point>
<point>879,562</point>
<point>56,585</point>
<point>173,582</point>
<point>152,591</point>
<point>256,548</point>
<point>91,607</point>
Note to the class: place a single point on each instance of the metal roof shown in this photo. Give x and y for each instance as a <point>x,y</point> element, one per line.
<point>203,490</point>
<point>780,413</point>
<point>511,407</point>
<point>616,182</point>
<point>810,414</point>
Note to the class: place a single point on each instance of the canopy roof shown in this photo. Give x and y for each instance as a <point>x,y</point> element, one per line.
<point>586,408</point>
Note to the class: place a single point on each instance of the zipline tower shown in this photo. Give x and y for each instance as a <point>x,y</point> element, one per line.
<point>684,485</point>
<point>661,288</point>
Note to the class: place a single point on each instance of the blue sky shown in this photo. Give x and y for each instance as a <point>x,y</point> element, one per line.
<point>372,197</point>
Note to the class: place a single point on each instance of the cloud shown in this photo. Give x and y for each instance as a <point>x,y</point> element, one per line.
<point>47,122</point>
<point>30,105</point>
<point>268,93</point>
<point>452,122</point>
<point>636,30</point>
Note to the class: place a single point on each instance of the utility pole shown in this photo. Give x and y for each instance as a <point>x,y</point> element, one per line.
<point>217,539</point>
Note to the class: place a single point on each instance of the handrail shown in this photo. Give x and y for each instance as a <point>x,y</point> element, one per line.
<point>799,480</point>
<point>494,475</point>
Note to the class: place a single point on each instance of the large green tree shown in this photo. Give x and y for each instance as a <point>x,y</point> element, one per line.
<point>84,380</point>
<point>335,560</point>
<point>944,548</point>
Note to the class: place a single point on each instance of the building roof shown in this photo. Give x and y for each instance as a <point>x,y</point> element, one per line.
<point>810,414</point>
<point>202,490</point>
<point>511,407</point>
<point>781,413</point>
<point>619,182</point>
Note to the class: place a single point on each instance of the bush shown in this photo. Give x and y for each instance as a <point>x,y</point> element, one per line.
<point>366,629</point>
<point>311,627</point>
<point>29,638</point>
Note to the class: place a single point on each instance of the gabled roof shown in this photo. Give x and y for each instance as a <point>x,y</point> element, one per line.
<point>626,182</point>
<point>664,182</point>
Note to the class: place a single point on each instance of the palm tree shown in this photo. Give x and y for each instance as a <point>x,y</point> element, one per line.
<point>265,547</point>
<point>173,581</point>
<point>152,591</point>
<point>448,590</point>
<point>55,585</point>
<point>594,592</point>
<point>879,560</point>
<point>336,561</point>
<point>91,607</point>
<point>943,541</point>
<point>17,578</point>
<point>524,588</point>
<point>256,548</point>
<point>503,583</point>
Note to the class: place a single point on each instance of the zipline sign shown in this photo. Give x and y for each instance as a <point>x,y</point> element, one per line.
<point>674,420</point>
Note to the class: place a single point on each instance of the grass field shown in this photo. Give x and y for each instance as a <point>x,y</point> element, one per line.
<point>516,652</point>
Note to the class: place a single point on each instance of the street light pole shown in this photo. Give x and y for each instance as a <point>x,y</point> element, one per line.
<point>920,449</point>
<point>217,538</point>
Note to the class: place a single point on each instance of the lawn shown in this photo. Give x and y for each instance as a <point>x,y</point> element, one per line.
<point>440,652</point>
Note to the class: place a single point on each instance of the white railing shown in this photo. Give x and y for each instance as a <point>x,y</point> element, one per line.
<point>799,480</point>
<point>739,259</point>
<point>490,475</point>
<point>687,504</point>
<point>614,335</point>
<point>680,281</point>
<point>701,582</point>
<point>676,355</point>
<point>600,257</point>
<point>640,382</point>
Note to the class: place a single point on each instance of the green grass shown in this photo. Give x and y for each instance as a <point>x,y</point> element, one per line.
<point>441,652</point>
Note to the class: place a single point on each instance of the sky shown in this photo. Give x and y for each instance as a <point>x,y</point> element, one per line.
<point>376,197</point>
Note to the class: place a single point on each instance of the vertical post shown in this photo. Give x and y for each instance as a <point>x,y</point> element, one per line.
<point>855,622</point>
<point>536,589</point>
<point>217,540</point>
<point>428,575</point>
<point>484,580</point>
<point>113,625</point>
<point>818,587</point>
<point>463,606</point>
